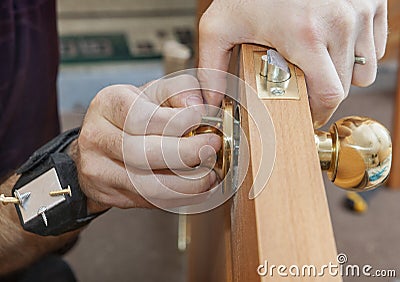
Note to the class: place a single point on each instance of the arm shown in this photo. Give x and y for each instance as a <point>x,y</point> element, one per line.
<point>19,248</point>
<point>102,170</point>
<point>321,37</point>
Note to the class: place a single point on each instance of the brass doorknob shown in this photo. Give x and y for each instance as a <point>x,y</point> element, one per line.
<point>356,153</point>
<point>226,124</point>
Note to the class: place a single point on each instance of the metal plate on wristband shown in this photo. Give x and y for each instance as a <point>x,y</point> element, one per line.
<point>40,199</point>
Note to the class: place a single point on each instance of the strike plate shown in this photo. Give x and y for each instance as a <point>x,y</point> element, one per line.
<point>264,87</point>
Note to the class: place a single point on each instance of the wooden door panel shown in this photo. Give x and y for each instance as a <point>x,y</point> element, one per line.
<point>289,222</point>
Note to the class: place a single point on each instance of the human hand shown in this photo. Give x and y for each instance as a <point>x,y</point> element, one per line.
<point>153,144</point>
<point>321,37</point>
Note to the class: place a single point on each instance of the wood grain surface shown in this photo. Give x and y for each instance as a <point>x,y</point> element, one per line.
<point>289,222</point>
<point>293,221</point>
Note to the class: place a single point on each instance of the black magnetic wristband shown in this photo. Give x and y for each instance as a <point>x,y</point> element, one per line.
<point>51,201</point>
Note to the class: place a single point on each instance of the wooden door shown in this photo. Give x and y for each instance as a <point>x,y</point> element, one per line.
<point>289,222</point>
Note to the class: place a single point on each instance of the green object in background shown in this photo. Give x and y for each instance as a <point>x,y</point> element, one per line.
<point>101,47</point>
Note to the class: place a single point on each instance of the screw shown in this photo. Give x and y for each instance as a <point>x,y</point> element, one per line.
<point>23,198</point>
<point>206,119</point>
<point>66,191</point>
<point>8,200</point>
<point>41,211</point>
<point>277,91</point>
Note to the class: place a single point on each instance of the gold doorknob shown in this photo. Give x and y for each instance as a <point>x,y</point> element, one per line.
<point>226,125</point>
<point>356,153</point>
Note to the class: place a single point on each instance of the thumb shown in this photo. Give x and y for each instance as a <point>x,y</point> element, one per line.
<point>178,92</point>
<point>184,91</point>
<point>214,53</point>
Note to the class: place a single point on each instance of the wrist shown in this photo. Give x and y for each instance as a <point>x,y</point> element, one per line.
<point>50,200</point>
<point>92,206</point>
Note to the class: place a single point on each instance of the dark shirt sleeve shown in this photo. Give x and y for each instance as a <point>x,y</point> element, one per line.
<point>28,73</point>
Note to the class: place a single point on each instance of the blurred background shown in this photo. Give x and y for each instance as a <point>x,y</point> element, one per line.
<point>104,42</point>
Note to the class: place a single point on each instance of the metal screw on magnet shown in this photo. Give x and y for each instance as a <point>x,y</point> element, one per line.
<point>19,199</point>
<point>8,200</point>
<point>41,211</point>
<point>23,198</point>
<point>62,192</point>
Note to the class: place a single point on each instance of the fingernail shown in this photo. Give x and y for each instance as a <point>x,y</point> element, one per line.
<point>212,178</point>
<point>215,141</point>
<point>193,100</point>
<point>317,124</point>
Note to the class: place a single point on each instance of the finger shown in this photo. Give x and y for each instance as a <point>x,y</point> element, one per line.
<point>380,30</point>
<point>177,92</point>
<point>106,181</point>
<point>155,152</point>
<point>195,181</point>
<point>364,75</point>
<point>341,51</point>
<point>214,46</point>
<point>146,118</point>
<point>214,54</point>
<point>110,184</point>
<point>213,85</point>
<point>324,87</point>
<point>113,103</point>
<point>165,189</point>
<point>129,111</point>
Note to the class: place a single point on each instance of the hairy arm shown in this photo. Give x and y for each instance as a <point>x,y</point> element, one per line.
<point>98,155</point>
<point>19,248</point>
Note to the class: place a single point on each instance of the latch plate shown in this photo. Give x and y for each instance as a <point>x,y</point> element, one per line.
<point>264,87</point>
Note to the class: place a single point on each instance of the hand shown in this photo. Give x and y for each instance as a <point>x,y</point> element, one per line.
<point>153,144</point>
<point>321,37</point>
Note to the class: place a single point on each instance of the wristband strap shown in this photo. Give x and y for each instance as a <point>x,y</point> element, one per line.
<point>56,145</point>
<point>49,169</point>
